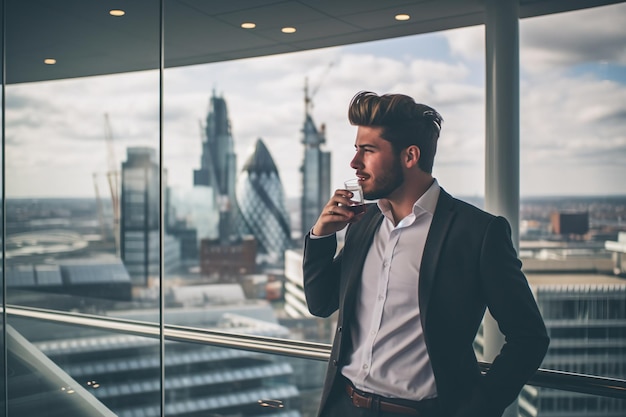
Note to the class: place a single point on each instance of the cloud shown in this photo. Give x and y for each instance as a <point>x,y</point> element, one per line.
<point>56,130</point>
<point>557,41</point>
<point>573,138</point>
<point>571,124</point>
<point>590,35</point>
<point>467,43</point>
<point>574,117</point>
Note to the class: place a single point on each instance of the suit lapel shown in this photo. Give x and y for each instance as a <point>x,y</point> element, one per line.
<point>442,219</point>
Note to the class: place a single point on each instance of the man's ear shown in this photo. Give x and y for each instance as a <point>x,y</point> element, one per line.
<point>411,156</point>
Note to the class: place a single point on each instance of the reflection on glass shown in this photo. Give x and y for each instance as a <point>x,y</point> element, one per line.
<point>65,370</point>
<point>81,371</point>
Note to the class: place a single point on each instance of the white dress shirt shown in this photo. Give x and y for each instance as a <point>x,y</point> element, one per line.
<point>390,356</point>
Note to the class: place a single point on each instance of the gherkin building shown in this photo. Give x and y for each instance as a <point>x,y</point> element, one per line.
<point>261,202</point>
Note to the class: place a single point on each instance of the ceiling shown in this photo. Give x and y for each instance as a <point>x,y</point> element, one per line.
<point>85,40</point>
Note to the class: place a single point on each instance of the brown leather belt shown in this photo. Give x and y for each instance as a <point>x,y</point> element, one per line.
<point>368,401</point>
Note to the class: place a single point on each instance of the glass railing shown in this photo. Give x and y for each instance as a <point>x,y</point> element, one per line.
<point>560,380</point>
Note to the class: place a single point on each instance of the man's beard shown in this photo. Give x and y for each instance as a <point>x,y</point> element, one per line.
<point>386,184</point>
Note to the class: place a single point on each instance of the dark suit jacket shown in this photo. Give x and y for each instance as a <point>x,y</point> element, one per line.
<point>469,263</point>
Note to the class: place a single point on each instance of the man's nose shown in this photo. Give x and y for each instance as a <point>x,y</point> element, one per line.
<point>356,162</point>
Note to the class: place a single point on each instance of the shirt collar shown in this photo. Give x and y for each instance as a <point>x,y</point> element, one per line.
<point>426,203</point>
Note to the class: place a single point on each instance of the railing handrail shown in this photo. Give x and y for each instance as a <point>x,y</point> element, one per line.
<point>547,378</point>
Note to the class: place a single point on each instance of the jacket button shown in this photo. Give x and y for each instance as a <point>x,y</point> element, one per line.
<point>334,362</point>
<point>339,329</point>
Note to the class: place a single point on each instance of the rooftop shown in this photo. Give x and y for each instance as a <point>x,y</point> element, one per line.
<point>538,279</point>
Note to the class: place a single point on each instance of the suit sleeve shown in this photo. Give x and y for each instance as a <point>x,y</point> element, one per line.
<point>321,271</point>
<point>513,306</point>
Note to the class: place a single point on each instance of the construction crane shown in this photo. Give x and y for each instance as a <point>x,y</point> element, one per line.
<point>308,98</point>
<point>113,180</point>
<point>100,207</point>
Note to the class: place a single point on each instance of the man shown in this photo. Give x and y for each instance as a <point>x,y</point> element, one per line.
<point>412,282</point>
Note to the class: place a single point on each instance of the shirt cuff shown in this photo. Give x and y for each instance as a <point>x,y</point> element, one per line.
<point>312,236</point>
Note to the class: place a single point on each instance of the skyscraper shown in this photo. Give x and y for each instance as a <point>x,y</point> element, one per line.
<point>261,202</point>
<point>218,167</point>
<point>315,170</point>
<point>140,246</point>
<point>586,320</point>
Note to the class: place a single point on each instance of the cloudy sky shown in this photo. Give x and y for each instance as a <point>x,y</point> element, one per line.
<point>573,110</point>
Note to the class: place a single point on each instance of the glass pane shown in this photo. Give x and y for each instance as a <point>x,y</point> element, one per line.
<point>80,151</point>
<point>77,238</point>
<point>204,380</point>
<point>80,146</point>
<point>2,317</point>
<point>573,87</point>
<point>254,148</point>
<point>62,370</point>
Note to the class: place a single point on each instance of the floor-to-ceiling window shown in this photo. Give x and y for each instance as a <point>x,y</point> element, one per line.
<point>243,142</point>
<point>238,138</point>
<point>82,213</point>
<point>573,194</point>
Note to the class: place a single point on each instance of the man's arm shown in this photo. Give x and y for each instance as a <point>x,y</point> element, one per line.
<point>320,266</point>
<point>321,275</point>
<point>513,306</point>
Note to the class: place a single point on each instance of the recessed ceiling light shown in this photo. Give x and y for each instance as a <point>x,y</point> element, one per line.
<point>117,12</point>
<point>402,16</point>
<point>248,25</point>
<point>49,61</point>
<point>288,30</point>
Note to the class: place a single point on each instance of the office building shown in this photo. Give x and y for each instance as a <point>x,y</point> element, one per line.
<point>297,316</point>
<point>586,320</point>
<point>218,165</point>
<point>261,202</point>
<point>81,277</point>
<point>570,223</point>
<point>316,170</point>
<point>139,234</point>
<point>192,216</point>
<point>228,262</point>
<point>504,73</point>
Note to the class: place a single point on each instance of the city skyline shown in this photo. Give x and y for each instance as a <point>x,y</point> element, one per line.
<point>572,94</point>
<point>236,335</point>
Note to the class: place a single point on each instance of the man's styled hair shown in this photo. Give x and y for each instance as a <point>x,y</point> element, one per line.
<point>403,121</point>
